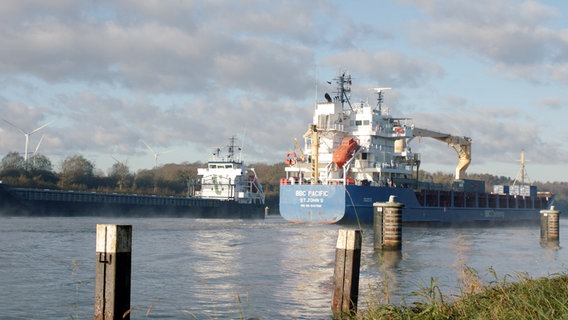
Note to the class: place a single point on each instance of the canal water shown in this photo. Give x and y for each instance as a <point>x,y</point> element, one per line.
<point>236,269</point>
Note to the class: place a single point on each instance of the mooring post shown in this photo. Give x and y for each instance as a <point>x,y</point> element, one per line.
<point>113,270</point>
<point>549,224</point>
<point>346,274</point>
<point>378,226</point>
<point>387,225</point>
<point>543,224</point>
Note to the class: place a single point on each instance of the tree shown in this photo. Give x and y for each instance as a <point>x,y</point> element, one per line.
<point>120,173</point>
<point>144,181</point>
<point>76,172</point>
<point>13,161</point>
<point>39,162</point>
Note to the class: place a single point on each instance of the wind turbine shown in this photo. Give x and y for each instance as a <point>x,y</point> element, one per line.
<point>38,144</point>
<point>27,135</point>
<point>154,153</point>
<point>36,149</point>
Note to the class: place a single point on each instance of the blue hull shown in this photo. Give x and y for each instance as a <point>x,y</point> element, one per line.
<point>354,204</point>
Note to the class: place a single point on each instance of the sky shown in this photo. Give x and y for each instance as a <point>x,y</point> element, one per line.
<point>185,76</point>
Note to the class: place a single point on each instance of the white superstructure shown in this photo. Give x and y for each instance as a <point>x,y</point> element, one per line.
<point>357,143</point>
<point>382,150</point>
<point>227,178</point>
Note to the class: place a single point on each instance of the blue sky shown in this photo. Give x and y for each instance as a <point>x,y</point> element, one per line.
<point>184,76</point>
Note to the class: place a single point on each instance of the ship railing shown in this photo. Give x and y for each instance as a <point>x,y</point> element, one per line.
<point>336,181</point>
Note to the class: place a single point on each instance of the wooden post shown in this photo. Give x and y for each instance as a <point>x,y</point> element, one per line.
<point>543,225</point>
<point>387,225</point>
<point>378,226</point>
<point>113,270</point>
<point>346,274</point>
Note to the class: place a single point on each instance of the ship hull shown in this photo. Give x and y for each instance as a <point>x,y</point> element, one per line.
<point>38,202</point>
<point>349,204</point>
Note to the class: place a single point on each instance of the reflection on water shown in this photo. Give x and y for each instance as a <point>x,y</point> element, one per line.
<point>458,258</point>
<point>220,269</point>
<point>307,264</point>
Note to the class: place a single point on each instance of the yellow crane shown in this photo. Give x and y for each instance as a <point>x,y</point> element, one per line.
<point>302,157</point>
<point>314,135</point>
<point>462,146</point>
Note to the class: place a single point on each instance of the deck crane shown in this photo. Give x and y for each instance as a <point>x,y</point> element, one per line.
<point>302,156</point>
<point>462,146</point>
<point>313,134</point>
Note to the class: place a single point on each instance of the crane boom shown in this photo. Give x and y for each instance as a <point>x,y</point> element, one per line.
<point>302,156</point>
<point>462,146</point>
<point>314,135</point>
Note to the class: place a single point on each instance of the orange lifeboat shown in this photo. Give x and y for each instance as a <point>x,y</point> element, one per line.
<point>345,151</point>
<point>290,158</point>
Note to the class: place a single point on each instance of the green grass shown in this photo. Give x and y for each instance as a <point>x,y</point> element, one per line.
<point>523,298</point>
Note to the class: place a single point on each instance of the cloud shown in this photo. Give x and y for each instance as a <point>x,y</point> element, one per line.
<point>388,67</point>
<point>511,36</point>
<point>187,75</point>
<point>164,47</point>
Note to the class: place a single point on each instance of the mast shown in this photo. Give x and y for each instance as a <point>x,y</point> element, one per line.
<point>231,149</point>
<point>344,82</point>
<point>380,98</point>
<point>522,172</point>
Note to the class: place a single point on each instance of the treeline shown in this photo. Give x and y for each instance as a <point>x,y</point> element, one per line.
<point>78,173</point>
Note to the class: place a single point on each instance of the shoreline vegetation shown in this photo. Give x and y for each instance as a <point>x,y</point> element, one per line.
<point>175,179</point>
<point>522,297</point>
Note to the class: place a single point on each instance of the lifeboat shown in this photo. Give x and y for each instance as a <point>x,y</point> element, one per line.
<point>345,151</point>
<point>290,158</point>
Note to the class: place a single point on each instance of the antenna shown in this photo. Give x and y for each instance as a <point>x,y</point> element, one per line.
<point>155,153</point>
<point>345,89</point>
<point>380,93</point>
<point>232,148</point>
<point>27,138</point>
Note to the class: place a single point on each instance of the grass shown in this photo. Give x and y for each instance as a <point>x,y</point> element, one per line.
<point>524,298</point>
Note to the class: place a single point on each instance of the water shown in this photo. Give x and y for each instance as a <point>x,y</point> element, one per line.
<point>227,269</point>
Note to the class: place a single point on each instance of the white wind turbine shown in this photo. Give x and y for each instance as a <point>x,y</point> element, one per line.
<point>36,149</point>
<point>38,144</point>
<point>27,135</point>
<point>154,153</point>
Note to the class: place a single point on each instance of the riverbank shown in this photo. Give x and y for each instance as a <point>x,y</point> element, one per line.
<point>505,298</point>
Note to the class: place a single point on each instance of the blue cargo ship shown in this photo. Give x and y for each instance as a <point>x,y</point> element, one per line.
<point>357,154</point>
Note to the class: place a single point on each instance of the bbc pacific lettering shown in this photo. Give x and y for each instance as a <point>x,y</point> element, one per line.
<point>317,193</point>
<point>312,193</point>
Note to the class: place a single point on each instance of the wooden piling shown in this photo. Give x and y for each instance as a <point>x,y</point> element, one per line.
<point>346,273</point>
<point>543,224</point>
<point>113,271</point>
<point>378,226</point>
<point>387,225</point>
